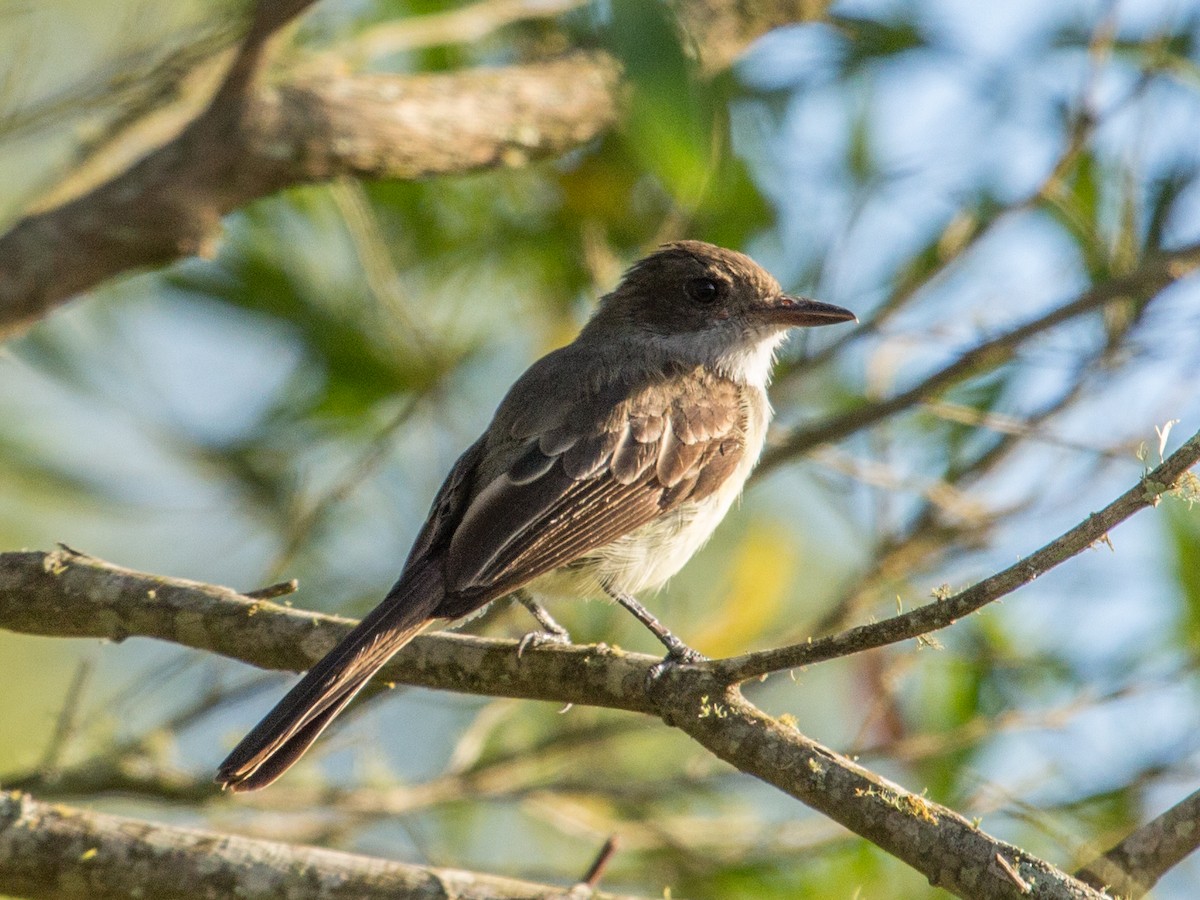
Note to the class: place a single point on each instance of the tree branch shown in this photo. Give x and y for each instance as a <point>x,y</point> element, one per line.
<point>67,594</point>
<point>253,140</point>
<point>1154,274</point>
<point>242,148</point>
<point>1134,866</point>
<point>942,613</point>
<point>948,849</point>
<point>63,853</point>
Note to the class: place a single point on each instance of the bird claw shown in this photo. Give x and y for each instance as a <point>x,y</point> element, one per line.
<point>682,655</point>
<point>535,639</point>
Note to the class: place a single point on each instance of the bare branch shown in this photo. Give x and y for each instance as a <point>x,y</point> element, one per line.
<point>58,852</point>
<point>944,846</point>
<point>1154,274</point>
<point>1134,866</point>
<point>942,613</point>
<point>591,878</point>
<point>253,140</point>
<point>271,591</point>
<point>67,594</point>
<point>241,148</point>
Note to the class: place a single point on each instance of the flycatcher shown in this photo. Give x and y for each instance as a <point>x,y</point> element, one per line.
<point>607,465</point>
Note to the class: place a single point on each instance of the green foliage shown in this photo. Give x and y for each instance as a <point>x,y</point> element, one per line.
<point>670,129</point>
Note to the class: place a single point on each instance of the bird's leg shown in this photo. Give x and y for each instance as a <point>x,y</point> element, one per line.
<point>677,650</point>
<point>551,633</point>
<point>549,626</point>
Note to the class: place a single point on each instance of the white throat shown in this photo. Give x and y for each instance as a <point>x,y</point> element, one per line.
<point>753,362</point>
<point>748,360</point>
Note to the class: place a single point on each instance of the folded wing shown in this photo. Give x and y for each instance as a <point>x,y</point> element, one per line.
<point>582,479</point>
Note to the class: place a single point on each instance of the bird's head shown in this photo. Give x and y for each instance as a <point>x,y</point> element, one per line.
<point>718,305</point>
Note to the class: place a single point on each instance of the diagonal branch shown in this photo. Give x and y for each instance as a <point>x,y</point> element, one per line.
<point>942,613</point>
<point>952,852</point>
<point>1156,272</point>
<point>63,853</point>
<point>253,140</point>
<point>68,594</point>
<point>312,129</point>
<point>1135,865</point>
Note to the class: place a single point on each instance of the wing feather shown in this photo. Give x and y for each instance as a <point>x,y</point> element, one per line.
<point>588,456</point>
<point>633,455</point>
<point>676,458</point>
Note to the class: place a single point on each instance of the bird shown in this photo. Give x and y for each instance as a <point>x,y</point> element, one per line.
<point>606,466</point>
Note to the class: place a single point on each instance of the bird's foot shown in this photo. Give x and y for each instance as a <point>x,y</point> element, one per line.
<point>679,655</point>
<point>550,633</point>
<point>540,639</point>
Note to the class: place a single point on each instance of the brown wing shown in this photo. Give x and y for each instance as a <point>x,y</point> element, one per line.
<point>599,471</point>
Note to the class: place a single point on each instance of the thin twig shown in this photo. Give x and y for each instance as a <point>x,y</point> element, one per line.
<point>376,452</point>
<point>969,227</point>
<point>595,871</point>
<point>271,591</point>
<point>1156,272</point>
<point>928,536</point>
<point>1016,427</point>
<point>1011,871</point>
<point>68,717</point>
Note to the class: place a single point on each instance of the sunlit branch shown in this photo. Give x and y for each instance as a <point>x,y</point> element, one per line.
<point>944,612</point>
<point>1148,280</point>
<point>254,139</point>
<point>170,204</point>
<point>66,593</point>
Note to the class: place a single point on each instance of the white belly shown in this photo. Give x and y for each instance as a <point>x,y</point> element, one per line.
<point>645,559</point>
<point>641,560</point>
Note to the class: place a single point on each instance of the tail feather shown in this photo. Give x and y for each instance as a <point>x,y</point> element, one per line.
<point>298,719</point>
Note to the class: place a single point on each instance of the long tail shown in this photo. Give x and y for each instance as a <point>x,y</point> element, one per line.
<point>296,721</point>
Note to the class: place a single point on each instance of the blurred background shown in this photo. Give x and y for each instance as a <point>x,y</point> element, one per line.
<point>949,170</point>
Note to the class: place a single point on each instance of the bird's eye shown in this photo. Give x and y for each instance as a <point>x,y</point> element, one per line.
<point>703,290</point>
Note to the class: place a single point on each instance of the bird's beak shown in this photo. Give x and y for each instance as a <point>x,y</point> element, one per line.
<point>791,312</point>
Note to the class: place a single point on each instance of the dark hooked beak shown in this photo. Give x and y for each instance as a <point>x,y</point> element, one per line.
<point>792,312</point>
